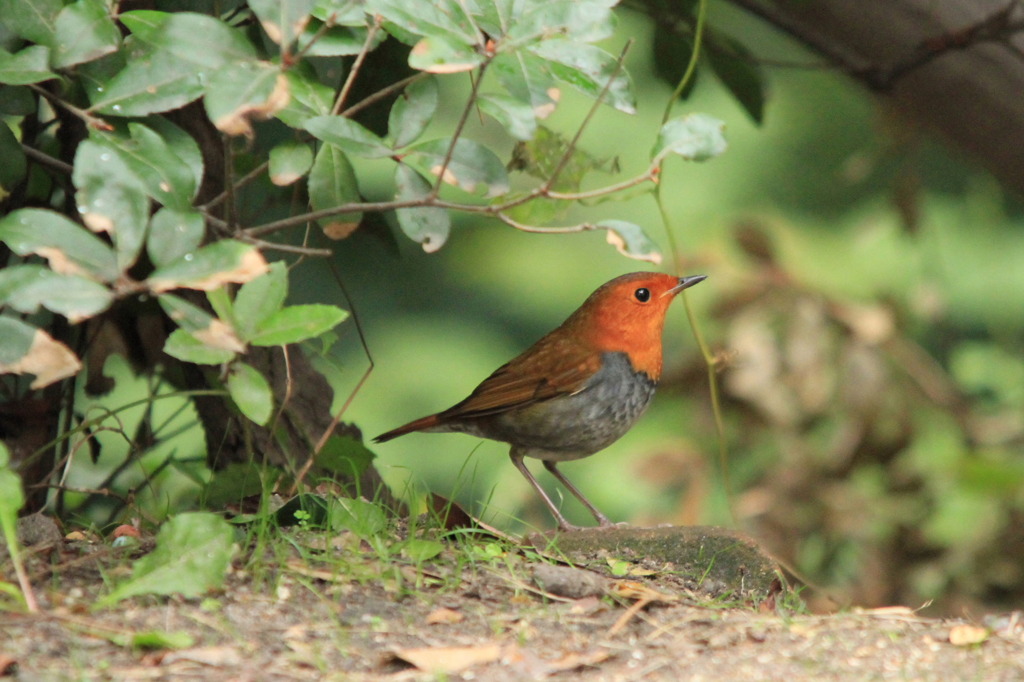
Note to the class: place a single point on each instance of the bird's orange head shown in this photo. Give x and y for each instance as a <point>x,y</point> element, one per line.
<point>628,315</point>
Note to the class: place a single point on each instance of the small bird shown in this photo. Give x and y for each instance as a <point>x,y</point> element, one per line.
<point>578,389</point>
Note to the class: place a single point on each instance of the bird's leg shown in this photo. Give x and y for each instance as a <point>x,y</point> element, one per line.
<point>602,520</point>
<point>517,459</point>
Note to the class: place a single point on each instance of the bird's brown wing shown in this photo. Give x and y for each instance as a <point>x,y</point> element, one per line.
<point>557,367</point>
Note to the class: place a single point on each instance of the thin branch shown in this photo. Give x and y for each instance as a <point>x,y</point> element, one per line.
<point>284,248</point>
<point>87,118</point>
<point>47,160</point>
<point>382,93</point>
<point>565,229</point>
<point>350,80</point>
<point>571,147</point>
<point>242,182</point>
<point>461,125</point>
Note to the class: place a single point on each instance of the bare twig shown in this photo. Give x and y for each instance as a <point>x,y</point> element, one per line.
<point>350,80</point>
<point>382,93</point>
<point>242,182</point>
<point>284,248</point>
<point>461,125</point>
<point>90,120</point>
<point>47,160</point>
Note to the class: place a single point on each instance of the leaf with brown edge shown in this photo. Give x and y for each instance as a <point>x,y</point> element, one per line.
<point>629,239</point>
<point>332,183</point>
<point>210,267</point>
<point>27,350</point>
<point>240,93</point>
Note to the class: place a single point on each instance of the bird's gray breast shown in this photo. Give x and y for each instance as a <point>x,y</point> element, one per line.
<point>580,424</point>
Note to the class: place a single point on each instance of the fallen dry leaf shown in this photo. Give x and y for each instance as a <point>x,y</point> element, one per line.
<point>965,635</point>
<point>571,661</point>
<point>628,589</point>
<point>450,660</point>
<point>221,656</point>
<point>444,615</point>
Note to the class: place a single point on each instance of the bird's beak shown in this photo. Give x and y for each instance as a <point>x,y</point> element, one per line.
<point>685,283</point>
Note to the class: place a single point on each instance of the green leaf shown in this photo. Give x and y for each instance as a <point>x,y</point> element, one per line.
<point>348,136</point>
<point>309,97</point>
<point>282,20</point>
<point>419,550</point>
<point>13,168</point>
<point>26,287</point>
<point>207,329</point>
<point>588,69</point>
<point>111,198</point>
<point>27,350</point>
<point>192,556</point>
<point>740,73</point>
<point>210,267</point>
<point>69,247</point>
<point>437,54</point>
<point>696,137</point>
<point>346,456</point>
<point>239,92</point>
<point>29,65</point>
<point>251,392</point>
<point>472,167</point>
<point>148,84</point>
<point>630,240</point>
<point>412,112</point>
<point>447,19</point>
<point>307,509</point>
<point>187,348</point>
<point>332,182</point>
<point>363,518</point>
<point>190,37</point>
<point>182,145</point>
<point>170,57</point>
<point>289,162</point>
<point>525,77</point>
<point>297,323</point>
<point>230,485</point>
<point>515,116</point>
<point>33,20</point>
<point>336,41</point>
<point>260,298</point>
<point>426,225</point>
<point>159,167</point>
<point>15,339</point>
<point>173,234</point>
<point>586,21</point>
<point>84,32</point>
<point>156,639</point>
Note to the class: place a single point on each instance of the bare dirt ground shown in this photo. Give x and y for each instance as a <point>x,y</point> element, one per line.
<point>351,613</point>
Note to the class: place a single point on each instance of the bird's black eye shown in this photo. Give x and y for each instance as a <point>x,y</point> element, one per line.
<point>643,295</point>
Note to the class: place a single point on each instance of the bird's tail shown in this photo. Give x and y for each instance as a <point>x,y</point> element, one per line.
<point>421,424</point>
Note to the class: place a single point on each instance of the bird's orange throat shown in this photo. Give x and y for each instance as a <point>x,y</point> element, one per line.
<point>641,343</point>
